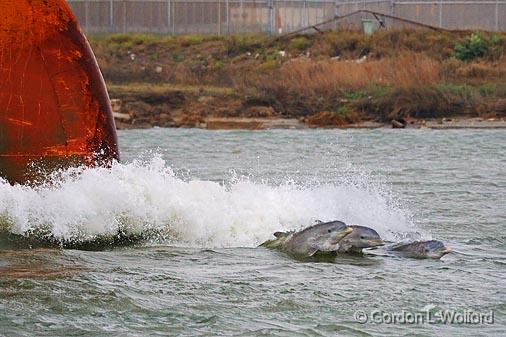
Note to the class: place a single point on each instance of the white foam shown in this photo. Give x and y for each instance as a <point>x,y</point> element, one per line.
<point>148,195</point>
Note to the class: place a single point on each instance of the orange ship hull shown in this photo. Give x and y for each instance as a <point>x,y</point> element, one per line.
<point>54,107</point>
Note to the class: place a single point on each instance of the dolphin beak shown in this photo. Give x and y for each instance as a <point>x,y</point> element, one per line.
<point>375,243</point>
<point>445,250</point>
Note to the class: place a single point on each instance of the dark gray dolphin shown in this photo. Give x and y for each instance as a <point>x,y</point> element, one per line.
<point>322,237</point>
<point>361,237</point>
<point>431,249</point>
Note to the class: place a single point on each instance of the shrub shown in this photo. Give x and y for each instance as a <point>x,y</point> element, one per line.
<point>218,65</point>
<point>243,43</point>
<point>190,40</point>
<point>475,46</point>
<point>492,89</point>
<point>177,57</point>
<point>268,65</point>
<point>418,102</point>
<point>300,44</point>
<point>353,95</point>
<point>463,91</point>
<point>343,110</point>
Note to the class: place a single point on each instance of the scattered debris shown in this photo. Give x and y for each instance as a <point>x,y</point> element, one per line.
<point>116,104</point>
<point>362,59</point>
<point>398,124</point>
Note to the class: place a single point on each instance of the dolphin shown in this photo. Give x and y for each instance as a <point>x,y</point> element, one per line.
<point>431,249</point>
<point>361,237</point>
<point>322,237</point>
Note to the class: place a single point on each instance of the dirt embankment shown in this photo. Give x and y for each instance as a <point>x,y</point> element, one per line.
<point>338,78</point>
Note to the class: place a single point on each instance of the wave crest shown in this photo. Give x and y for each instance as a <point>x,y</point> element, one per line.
<point>140,198</point>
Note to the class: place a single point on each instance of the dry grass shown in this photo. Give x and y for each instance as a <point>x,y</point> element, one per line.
<point>482,70</point>
<point>305,86</point>
<point>158,89</point>
<point>332,119</point>
<point>311,77</point>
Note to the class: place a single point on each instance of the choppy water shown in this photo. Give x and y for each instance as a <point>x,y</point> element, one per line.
<point>204,200</point>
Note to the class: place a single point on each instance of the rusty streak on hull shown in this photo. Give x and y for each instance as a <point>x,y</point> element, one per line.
<point>54,107</point>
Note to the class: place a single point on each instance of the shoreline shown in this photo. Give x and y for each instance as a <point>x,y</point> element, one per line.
<point>337,79</point>
<point>238,123</point>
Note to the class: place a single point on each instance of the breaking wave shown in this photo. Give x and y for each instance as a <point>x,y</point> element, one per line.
<point>148,199</point>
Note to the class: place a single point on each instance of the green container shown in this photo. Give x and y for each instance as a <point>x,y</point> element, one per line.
<point>368,26</point>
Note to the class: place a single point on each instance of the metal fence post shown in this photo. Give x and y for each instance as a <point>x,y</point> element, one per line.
<point>168,17</point>
<point>497,15</point>
<point>228,17</point>
<point>337,12</point>
<point>86,9</point>
<point>111,14</point>
<point>270,4</point>
<point>219,17</point>
<point>392,7</point>
<point>304,14</point>
<point>124,17</point>
<point>241,13</point>
<point>173,21</point>
<point>441,13</point>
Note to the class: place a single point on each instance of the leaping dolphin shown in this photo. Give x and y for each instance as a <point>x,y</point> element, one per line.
<point>322,237</point>
<point>361,237</point>
<point>431,249</point>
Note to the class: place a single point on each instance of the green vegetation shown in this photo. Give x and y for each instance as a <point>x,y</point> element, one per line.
<point>477,46</point>
<point>146,89</point>
<point>354,95</point>
<point>245,43</point>
<point>300,44</point>
<point>343,111</point>
<point>268,65</point>
<point>190,40</point>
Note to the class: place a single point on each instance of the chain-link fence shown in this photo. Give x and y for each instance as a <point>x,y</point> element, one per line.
<point>276,16</point>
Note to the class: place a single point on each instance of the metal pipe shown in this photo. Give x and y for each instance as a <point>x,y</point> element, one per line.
<point>315,27</point>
